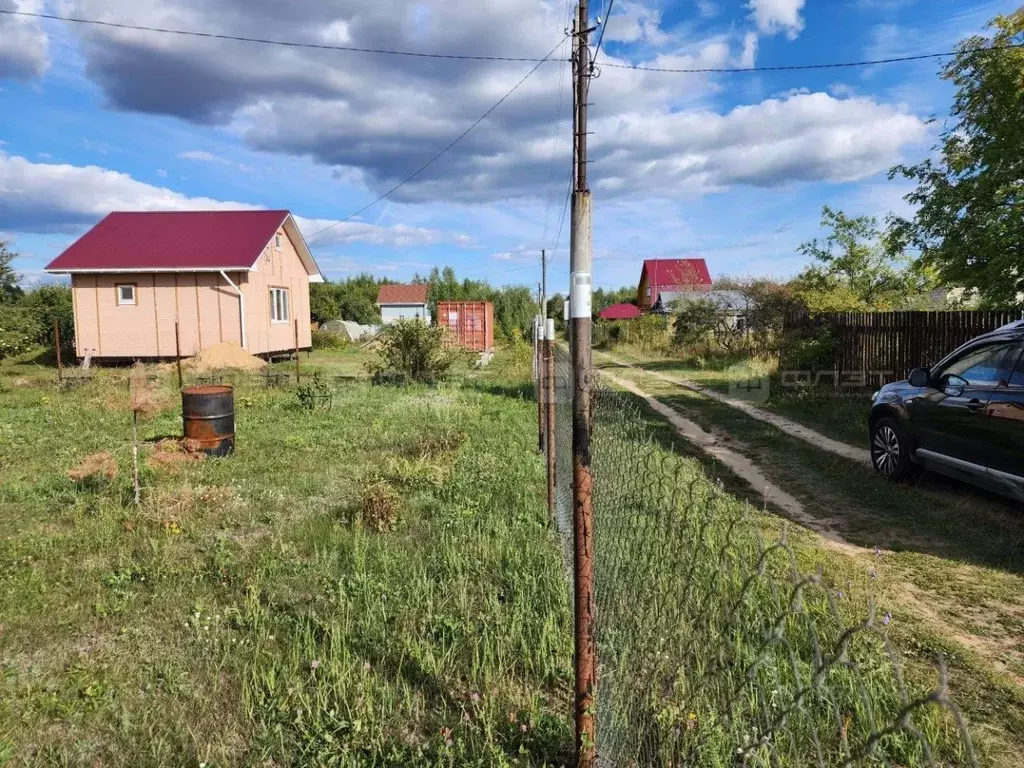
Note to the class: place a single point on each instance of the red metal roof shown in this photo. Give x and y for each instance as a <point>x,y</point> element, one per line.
<point>403,294</point>
<point>172,240</point>
<point>619,312</point>
<point>663,273</point>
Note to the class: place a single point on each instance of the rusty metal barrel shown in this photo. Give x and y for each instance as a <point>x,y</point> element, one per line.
<point>208,414</point>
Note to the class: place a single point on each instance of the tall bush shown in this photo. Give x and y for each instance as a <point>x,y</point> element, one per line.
<point>19,330</point>
<point>410,350</point>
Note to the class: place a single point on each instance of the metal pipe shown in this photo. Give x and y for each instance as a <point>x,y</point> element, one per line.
<point>241,306</point>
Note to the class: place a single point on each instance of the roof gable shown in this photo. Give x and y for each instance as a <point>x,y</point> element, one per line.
<point>179,241</point>
<point>673,272</point>
<point>394,293</point>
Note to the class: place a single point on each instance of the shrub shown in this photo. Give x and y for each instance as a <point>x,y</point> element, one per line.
<point>314,393</point>
<point>329,339</point>
<point>19,330</point>
<point>695,322</point>
<point>410,350</point>
<point>47,304</point>
<point>379,506</point>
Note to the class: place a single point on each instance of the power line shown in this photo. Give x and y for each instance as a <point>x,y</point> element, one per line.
<point>471,57</point>
<point>554,147</point>
<point>829,65</point>
<point>600,37</point>
<point>450,144</point>
<point>263,41</point>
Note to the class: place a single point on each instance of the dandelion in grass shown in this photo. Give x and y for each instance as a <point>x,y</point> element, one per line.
<point>314,664</point>
<point>474,697</point>
<point>887,618</point>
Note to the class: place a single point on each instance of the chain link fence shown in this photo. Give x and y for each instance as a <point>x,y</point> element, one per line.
<point>714,649</point>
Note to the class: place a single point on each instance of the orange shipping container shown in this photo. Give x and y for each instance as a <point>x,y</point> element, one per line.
<point>471,323</point>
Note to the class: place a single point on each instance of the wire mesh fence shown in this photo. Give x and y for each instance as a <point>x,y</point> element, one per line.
<point>714,649</point>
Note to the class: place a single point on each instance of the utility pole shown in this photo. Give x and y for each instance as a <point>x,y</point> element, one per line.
<point>580,296</point>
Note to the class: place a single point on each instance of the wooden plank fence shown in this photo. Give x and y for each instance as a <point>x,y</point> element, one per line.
<point>875,347</point>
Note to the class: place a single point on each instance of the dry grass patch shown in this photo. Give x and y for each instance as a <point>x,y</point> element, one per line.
<point>379,506</point>
<point>96,467</point>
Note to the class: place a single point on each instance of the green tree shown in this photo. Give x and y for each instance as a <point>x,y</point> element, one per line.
<point>9,290</point>
<point>857,268</point>
<point>605,298</point>
<point>48,304</point>
<point>354,298</point>
<point>969,222</point>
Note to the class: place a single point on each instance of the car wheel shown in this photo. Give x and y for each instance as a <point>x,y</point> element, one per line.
<point>890,450</point>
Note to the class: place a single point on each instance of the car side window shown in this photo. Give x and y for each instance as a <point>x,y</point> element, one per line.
<point>982,365</point>
<point>1017,375</point>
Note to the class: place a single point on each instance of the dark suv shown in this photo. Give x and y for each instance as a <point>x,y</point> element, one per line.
<point>963,418</point>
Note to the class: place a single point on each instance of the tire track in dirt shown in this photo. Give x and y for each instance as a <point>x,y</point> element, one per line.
<point>792,428</point>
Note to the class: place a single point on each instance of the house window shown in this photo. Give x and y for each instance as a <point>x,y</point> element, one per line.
<point>125,293</point>
<point>648,292</point>
<point>277,242</point>
<point>279,305</point>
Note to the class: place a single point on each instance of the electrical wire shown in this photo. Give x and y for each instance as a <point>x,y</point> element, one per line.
<point>828,65</point>
<point>600,36</point>
<point>262,41</point>
<point>554,146</point>
<point>468,57</point>
<point>447,147</point>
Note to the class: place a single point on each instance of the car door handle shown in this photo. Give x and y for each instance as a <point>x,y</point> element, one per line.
<point>975,405</point>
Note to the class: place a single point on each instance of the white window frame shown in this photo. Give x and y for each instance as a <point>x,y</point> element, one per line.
<point>277,242</point>
<point>121,300</point>
<point>280,305</point>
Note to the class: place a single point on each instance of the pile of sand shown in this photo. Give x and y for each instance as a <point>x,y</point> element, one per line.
<point>222,356</point>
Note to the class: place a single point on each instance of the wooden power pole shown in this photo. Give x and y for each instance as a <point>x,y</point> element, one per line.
<point>580,297</point>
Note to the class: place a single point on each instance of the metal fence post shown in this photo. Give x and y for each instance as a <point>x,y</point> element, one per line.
<point>177,353</point>
<point>56,344</point>
<point>538,336</point>
<point>549,398</point>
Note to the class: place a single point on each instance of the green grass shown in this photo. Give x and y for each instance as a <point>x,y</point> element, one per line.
<point>244,614</point>
<point>951,569</point>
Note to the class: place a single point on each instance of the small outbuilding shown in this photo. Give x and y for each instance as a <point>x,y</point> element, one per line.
<point>619,312</point>
<point>403,302</point>
<point>215,276</point>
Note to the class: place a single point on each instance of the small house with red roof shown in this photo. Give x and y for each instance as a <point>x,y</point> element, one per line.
<point>619,312</point>
<point>403,302</point>
<point>672,275</point>
<point>147,284</point>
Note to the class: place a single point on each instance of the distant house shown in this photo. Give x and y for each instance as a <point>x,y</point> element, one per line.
<point>619,312</point>
<point>403,302</point>
<point>733,306</point>
<point>677,275</point>
<point>219,276</point>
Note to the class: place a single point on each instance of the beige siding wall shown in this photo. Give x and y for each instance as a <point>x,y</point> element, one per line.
<point>205,307</point>
<point>277,269</point>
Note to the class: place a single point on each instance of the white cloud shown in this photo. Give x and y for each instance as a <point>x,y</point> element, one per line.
<point>23,43</point>
<point>634,22</point>
<point>38,197</point>
<point>773,16</point>
<point>161,172</point>
<point>398,235</point>
<point>203,156</point>
<point>801,137</point>
<point>749,55</point>
<point>57,197</point>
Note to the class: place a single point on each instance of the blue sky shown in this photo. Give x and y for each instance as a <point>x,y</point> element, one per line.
<point>734,168</point>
